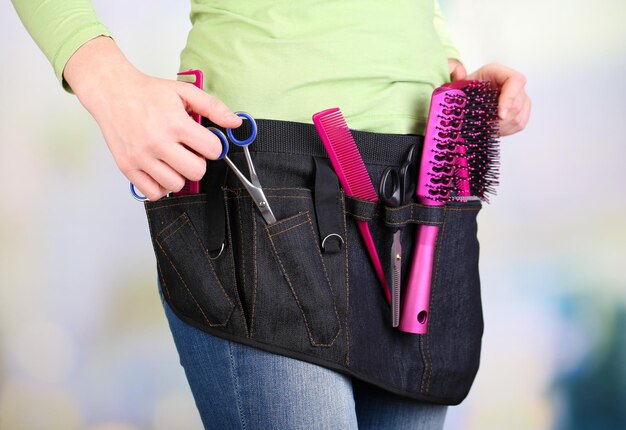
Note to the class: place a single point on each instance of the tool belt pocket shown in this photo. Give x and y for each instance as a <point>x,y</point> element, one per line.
<point>456,294</point>
<point>451,350</point>
<point>223,269</point>
<point>455,324</point>
<point>197,281</point>
<point>455,265</point>
<point>293,294</point>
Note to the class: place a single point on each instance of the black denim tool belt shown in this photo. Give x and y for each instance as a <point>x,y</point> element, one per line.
<point>304,287</point>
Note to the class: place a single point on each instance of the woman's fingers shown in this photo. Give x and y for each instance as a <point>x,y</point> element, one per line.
<point>512,95</point>
<point>200,139</point>
<point>456,69</point>
<point>157,179</point>
<point>517,118</point>
<point>146,185</point>
<point>514,105</point>
<point>184,161</point>
<point>164,175</point>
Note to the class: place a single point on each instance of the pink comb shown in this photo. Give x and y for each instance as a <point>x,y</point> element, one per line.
<point>459,159</point>
<point>192,187</point>
<point>352,174</point>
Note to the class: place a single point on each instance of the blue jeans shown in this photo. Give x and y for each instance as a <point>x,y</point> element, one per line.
<point>239,387</point>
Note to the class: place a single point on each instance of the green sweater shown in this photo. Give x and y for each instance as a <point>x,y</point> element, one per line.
<point>285,59</point>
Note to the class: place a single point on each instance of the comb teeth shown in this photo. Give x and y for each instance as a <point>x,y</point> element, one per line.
<point>344,154</point>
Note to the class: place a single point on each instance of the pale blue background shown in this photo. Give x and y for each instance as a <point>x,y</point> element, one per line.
<point>84,343</point>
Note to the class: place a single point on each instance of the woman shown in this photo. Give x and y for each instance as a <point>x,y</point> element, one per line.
<point>278,60</point>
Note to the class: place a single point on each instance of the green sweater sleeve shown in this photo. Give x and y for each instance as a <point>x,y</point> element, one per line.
<point>442,30</point>
<point>60,27</point>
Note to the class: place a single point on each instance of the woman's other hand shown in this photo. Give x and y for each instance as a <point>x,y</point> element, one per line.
<point>514,105</point>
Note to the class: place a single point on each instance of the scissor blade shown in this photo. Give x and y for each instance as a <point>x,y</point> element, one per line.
<point>254,179</point>
<point>396,261</point>
<point>261,202</point>
<point>256,192</point>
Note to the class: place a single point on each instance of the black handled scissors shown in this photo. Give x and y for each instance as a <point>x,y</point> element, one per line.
<point>396,189</point>
<point>253,186</point>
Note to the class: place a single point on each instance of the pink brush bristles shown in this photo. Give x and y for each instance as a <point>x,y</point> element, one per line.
<point>479,133</point>
<point>459,161</point>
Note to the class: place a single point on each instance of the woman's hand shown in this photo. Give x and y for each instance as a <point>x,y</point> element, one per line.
<point>457,70</point>
<point>514,105</point>
<point>144,120</point>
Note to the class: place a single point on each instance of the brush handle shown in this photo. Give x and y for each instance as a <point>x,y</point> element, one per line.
<point>416,301</point>
<point>459,155</point>
<point>434,183</point>
<point>373,254</point>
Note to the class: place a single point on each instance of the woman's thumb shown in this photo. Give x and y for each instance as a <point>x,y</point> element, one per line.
<point>457,70</point>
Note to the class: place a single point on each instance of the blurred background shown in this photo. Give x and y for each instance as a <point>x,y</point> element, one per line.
<point>84,343</point>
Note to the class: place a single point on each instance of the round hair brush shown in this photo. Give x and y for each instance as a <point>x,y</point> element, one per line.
<point>459,161</point>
